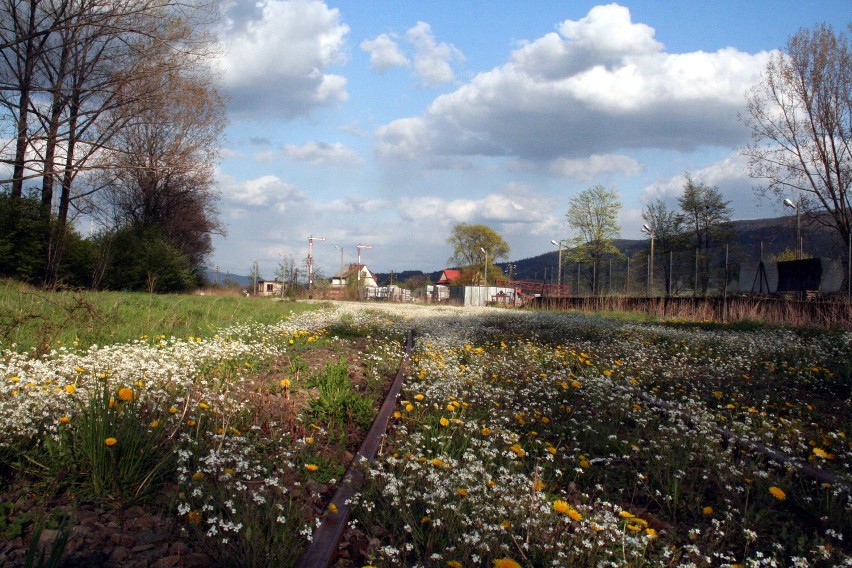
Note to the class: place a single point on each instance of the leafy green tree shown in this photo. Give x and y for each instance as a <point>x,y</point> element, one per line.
<point>593,216</point>
<point>474,246</point>
<point>708,217</point>
<point>145,260</point>
<point>23,234</point>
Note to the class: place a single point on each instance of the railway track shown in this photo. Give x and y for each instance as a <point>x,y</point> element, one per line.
<point>324,544</point>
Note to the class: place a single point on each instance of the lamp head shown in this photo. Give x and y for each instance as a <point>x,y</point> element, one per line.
<point>554,243</point>
<point>789,203</point>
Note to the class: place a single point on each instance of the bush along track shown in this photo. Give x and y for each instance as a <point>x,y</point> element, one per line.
<point>519,439</point>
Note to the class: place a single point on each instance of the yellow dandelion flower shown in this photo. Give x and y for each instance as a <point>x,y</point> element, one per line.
<point>419,397</point>
<point>444,421</point>
<point>190,422</point>
<point>110,441</point>
<point>462,491</point>
<point>425,519</point>
<point>551,450</point>
<point>820,453</point>
<point>197,476</point>
<point>651,532</point>
<point>485,431</point>
<point>397,414</point>
<point>203,405</point>
<point>311,466</point>
<point>519,451</point>
<point>193,517</point>
<point>309,441</point>
<point>626,515</point>
<point>126,394</point>
<point>173,410</point>
<point>285,383</point>
<point>708,510</point>
<point>437,462</point>
<point>409,407</point>
<point>561,506</point>
<point>70,389</point>
<point>575,515</point>
<point>64,420</point>
<point>506,563</point>
<point>332,508</point>
<point>154,423</point>
<point>454,564</point>
<point>778,493</point>
<point>538,485</point>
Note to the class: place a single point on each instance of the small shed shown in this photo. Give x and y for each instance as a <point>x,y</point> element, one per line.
<point>269,288</point>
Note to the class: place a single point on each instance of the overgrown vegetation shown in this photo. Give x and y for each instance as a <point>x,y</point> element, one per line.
<point>521,438</point>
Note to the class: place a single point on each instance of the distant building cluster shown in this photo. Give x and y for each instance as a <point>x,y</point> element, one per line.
<point>363,284</point>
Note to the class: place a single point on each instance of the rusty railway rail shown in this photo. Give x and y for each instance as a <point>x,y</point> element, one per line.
<point>323,548</point>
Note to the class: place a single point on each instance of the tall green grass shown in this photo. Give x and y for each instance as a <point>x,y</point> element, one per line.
<point>32,319</point>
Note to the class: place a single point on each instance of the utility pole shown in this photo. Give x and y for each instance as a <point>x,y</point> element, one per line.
<point>311,240</point>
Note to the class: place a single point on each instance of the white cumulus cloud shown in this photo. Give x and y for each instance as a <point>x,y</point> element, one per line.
<point>276,58</point>
<point>602,85</point>
<point>432,59</point>
<point>596,164</point>
<point>316,153</point>
<point>385,52</point>
<point>261,191</point>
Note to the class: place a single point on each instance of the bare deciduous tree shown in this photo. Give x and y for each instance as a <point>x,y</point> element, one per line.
<point>161,165</point>
<point>800,116</point>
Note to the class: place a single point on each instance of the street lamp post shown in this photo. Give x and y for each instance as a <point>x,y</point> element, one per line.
<point>358,267</point>
<point>653,234</point>
<point>559,265</point>
<point>485,269</point>
<point>311,240</point>
<point>796,206</point>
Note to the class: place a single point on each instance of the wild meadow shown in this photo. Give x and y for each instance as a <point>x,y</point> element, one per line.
<point>520,439</point>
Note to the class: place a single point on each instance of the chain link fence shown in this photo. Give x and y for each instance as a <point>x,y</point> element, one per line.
<point>709,272</point>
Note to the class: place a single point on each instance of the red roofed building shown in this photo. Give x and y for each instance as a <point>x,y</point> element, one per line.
<point>448,277</point>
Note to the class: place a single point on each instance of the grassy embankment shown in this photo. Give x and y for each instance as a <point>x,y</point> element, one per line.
<point>33,319</point>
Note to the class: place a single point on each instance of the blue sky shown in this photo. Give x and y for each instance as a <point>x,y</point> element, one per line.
<point>387,123</point>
